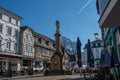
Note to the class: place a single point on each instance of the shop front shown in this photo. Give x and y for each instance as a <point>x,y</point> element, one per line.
<point>15,62</point>
<point>12,63</point>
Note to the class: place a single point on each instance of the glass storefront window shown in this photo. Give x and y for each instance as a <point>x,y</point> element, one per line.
<point>2,62</point>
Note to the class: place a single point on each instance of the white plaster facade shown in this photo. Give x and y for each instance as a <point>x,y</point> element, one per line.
<point>97,47</point>
<point>27,43</point>
<point>27,46</point>
<point>9,39</point>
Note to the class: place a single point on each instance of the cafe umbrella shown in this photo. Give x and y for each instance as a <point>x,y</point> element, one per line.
<point>102,58</point>
<point>107,58</point>
<point>90,57</point>
<point>114,60</point>
<point>114,57</point>
<point>78,47</point>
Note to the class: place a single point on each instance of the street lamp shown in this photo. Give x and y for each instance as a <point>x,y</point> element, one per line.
<point>96,35</point>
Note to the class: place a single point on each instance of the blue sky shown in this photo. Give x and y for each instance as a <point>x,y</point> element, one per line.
<point>78,18</point>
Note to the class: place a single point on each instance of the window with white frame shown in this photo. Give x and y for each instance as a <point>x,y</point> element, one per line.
<point>16,22</point>
<point>31,38</point>
<point>1,28</point>
<point>26,47</point>
<point>97,53</point>
<point>9,30</point>
<point>15,47</point>
<point>31,48</point>
<point>8,46</point>
<point>16,34</point>
<point>42,51</point>
<point>26,37</point>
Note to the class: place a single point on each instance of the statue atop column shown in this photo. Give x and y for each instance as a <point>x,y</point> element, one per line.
<point>57,37</point>
<point>57,58</point>
<point>57,26</point>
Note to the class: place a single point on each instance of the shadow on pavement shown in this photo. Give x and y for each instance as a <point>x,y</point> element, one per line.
<point>74,79</point>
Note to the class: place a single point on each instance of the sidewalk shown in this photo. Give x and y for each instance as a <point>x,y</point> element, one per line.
<point>18,77</point>
<point>42,77</point>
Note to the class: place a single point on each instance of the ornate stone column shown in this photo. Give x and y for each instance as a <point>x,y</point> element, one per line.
<point>56,60</point>
<point>57,37</point>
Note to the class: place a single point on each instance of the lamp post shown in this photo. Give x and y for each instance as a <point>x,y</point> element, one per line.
<point>96,35</point>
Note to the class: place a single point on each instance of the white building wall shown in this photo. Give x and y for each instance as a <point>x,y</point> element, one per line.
<point>4,37</point>
<point>29,42</point>
<point>13,21</point>
<point>96,53</point>
<point>5,17</point>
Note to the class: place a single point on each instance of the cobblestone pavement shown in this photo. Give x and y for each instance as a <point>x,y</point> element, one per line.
<point>39,77</point>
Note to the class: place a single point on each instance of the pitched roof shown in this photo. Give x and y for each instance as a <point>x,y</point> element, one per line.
<point>23,28</point>
<point>35,34</point>
<point>94,42</point>
<point>71,55</point>
<point>10,13</point>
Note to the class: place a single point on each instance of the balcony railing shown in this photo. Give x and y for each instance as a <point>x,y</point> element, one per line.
<point>7,51</point>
